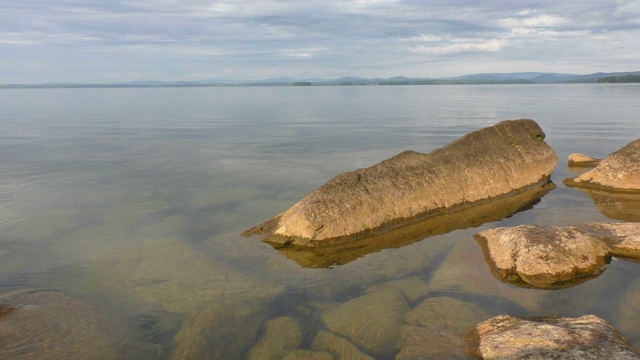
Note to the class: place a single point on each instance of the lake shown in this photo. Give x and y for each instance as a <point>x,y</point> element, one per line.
<point>121,209</point>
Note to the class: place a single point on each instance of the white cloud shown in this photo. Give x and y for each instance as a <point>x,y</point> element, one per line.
<point>458,46</point>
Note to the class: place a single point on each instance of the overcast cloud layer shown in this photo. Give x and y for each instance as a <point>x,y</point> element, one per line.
<point>126,40</point>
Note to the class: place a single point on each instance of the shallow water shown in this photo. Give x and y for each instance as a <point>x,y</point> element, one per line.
<point>131,201</point>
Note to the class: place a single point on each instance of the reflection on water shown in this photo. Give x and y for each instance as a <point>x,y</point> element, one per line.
<point>617,206</point>
<point>417,231</point>
<point>124,203</point>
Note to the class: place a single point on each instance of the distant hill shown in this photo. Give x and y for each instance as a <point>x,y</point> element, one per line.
<point>470,79</point>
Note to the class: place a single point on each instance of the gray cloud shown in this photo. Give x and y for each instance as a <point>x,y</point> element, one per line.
<point>100,41</point>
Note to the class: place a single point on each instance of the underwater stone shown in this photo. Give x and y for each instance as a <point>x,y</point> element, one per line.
<point>371,321</point>
<point>338,346</point>
<point>281,336</point>
<point>437,329</point>
<point>484,165</point>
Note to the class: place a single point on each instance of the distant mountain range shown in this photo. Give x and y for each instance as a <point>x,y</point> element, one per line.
<point>483,78</point>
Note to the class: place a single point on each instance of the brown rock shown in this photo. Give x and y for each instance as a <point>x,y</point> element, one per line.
<point>493,162</point>
<point>619,171</point>
<point>371,321</point>
<point>582,160</point>
<point>430,227</point>
<point>622,238</point>
<point>281,336</point>
<point>543,256</point>
<point>338,346</point>
<point>587,337</point>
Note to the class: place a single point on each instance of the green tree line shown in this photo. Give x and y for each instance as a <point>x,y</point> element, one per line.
<point>629,78</point>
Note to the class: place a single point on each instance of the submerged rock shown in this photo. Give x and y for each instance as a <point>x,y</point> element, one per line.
<point>465,272</point>
<point>371,321</point>
<point>437,328</point>
<point>308,355</point>
<point>490,163</point>
<point>543,256</point>
<point>413,287</point>
<point>619,171</point>
<point>587,337</point>
<point>338,346</point>
<point>281,336</point>
<point>220,332</point>
<point>53,325</point>
<point>582,160</point>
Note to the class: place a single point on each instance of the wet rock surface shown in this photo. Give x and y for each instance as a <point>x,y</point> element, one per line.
<point>437,328</point>
<point>543,256</point>
<point>53,325</point>
<point>493,162</point>
<point>587,337</point>
<point>620,171</point>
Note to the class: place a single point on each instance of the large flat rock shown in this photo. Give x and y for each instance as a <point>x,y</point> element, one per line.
<point>619,171</point>
<point>484,165</point>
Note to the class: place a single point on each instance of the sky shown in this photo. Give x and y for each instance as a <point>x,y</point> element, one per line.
<point>105,41</point>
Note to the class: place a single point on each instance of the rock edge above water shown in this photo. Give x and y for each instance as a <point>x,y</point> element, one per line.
<point>548,337</point>
<point>484,165</point>
<point>552,257</point>
<point>620,171</point>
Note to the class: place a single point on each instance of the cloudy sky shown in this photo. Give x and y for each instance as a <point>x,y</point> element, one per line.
<point>126,40</point>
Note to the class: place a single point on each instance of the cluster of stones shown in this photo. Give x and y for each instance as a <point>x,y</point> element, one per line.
<point>485,165</point>
<point>413,318</point>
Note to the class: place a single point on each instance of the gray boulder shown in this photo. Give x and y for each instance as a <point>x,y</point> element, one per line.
<point>587,337</point>
<point>619,171</point>
<point>487,164</point>
<point>543,256</point>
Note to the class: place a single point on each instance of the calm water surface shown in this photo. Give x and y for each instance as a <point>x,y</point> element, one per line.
<point>120,211</point>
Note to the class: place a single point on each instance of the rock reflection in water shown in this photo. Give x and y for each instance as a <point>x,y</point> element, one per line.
<point>411,233</point>
<point>616,205</point>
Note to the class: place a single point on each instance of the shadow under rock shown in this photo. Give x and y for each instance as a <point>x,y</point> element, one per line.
<point>475,216</point>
